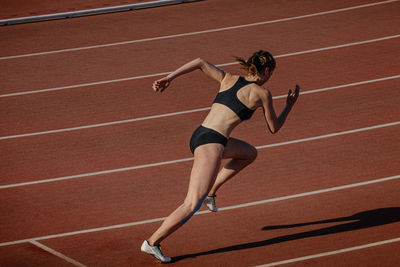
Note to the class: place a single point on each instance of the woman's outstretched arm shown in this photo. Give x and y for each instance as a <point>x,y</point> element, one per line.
<point>209,69</point>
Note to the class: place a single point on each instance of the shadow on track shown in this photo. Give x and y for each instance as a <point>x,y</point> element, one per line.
<point>357,221</point>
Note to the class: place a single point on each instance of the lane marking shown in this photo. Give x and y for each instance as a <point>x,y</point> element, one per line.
<point>191,158</point>
<point>183,112</point>
<point>199,32</point>
<point>105,124</point>
<point>84,85</point>
<point>124,225</point>
<point>96,173</point>
<point>218,65</point>
<point>56,253</point>
<point>330,135</point>
<point>329,253</point>
<point>321,191</point>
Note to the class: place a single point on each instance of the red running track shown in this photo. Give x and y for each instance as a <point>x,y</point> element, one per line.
<point>89,189</point>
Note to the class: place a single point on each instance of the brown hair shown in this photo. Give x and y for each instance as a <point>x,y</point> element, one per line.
<point>258,62</point>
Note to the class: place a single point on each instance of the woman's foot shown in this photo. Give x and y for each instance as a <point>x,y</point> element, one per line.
<point>154,251</point>
<point>209,201</point>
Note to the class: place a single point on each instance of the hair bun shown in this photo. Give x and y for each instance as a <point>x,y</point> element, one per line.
<point>258,62</point>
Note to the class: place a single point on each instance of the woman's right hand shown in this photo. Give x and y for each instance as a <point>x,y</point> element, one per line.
<point>292,96</point>
<point>161,84</point>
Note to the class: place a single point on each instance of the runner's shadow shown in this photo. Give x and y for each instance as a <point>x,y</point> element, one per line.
<point>357,221</point>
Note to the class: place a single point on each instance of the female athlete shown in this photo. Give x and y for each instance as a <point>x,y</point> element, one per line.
<point>238,98</point>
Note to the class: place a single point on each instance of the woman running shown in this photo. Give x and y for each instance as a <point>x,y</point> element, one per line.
<point>238,98</point>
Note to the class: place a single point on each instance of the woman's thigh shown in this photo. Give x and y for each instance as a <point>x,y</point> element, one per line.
<point>207,159</point>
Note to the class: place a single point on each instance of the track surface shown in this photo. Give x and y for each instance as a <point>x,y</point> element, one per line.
<point>22,8</point>
<point>93,160</point>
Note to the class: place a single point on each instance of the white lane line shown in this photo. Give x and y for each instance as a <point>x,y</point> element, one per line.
<point>331,135</point>
<point>56,253</point>
<point>200,32</point>
<point>84,85</point>
<point>105,124</point>
<point>321,191</point>
<point>184,112</point>
<point>334,252</point>
<point>218,65</point>
<point>124,225</point>
<point>190,159</point>
<point>96,173</point>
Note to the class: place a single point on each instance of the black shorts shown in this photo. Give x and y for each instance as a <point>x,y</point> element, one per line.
<point>203,135</point>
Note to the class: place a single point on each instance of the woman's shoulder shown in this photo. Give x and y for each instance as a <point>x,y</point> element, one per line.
<point>229,77</point>
<point>229,80</point>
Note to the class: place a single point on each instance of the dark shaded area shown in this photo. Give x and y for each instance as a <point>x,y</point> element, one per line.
<point>357,221</point>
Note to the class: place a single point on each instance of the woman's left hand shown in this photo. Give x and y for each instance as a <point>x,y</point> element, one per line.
<point>292,96</point>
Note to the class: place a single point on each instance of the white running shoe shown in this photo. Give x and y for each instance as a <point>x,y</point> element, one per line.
<point>210,203</point>
<point>154,251</point>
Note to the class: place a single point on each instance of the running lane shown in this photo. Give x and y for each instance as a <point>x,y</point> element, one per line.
<point>256,235</point>
<point>87,66</point>
<point>248,236</point>
<point>125,196</point>
<point>127,100</point>
<point>125,145</point>
<point>126,26</point>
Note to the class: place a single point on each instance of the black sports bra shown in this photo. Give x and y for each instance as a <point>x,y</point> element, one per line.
<point>229,98</point>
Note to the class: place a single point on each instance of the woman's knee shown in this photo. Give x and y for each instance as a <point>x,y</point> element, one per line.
<point>193,204</point>
<point>238,149</point>
<point>190,207</point>
<point>252,153</point>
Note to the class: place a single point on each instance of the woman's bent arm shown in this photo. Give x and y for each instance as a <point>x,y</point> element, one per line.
<point>208,69</point>
<point>275,123</point>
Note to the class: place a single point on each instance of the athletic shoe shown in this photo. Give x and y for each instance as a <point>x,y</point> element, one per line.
<point>154,251</point>
<point>210,203</point>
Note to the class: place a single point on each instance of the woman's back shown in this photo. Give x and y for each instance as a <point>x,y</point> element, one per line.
<point>236,101</point>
